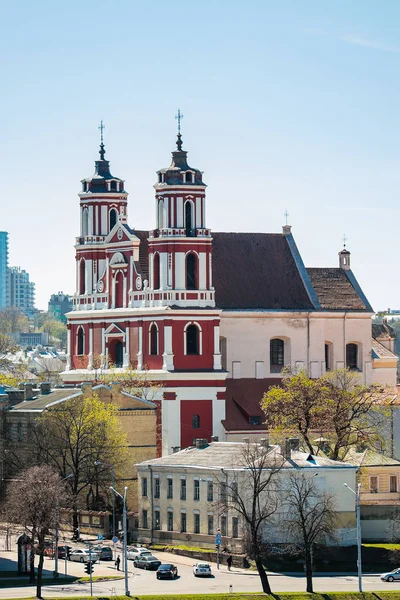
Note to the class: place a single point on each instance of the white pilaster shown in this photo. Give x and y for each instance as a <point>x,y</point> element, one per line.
<point>124,291</point>
<point>180,271</point>
<point>126,362</point>
<point>104,220</point>
<point>68,350</point>
<point>90,220</point>
<point>103,349</point>
<point>198,212</point>
<point>140,349</point>
<point>168,357</point>
<point>90,357</point>
<point>217,353</point>
<point>202,271</point>
<point>163,270</point>
<point>179,212</point>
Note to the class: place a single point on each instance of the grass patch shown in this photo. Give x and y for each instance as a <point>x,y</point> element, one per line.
<point>384,546</point>
<point>385,595</point>
<point>86,579</point>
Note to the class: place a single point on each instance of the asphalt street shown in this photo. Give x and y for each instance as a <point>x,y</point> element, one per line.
<point>145,582</point>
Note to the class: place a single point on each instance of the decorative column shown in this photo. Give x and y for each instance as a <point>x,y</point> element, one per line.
<point>68,367</point>
<point>90,356</point>
<point>217,366</point>
<point>168,356</point>
<point>140,347</point>
<point>126,362</point>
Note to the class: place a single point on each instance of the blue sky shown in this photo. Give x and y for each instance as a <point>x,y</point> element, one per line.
<point>287,105</point>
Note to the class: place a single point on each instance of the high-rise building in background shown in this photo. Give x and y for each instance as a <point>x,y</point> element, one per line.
<point>59,305</point>
<point>3,269</point>
<point>21,290</point>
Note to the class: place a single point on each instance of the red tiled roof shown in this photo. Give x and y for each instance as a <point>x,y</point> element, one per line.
<point>334,290</point>
<point>243,397</point>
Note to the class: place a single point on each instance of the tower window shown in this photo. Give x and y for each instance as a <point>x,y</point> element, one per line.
<point>189,177</point>
<point>82,272</point>
<point>189,219</point>
<point>113,218</point>
<point>277,355</point>
<point>113,185</point>
<point>153,339</point>
<point>80,342</point>
<point>156,271</point>
<point>192,339</point>
<point>191,275</point>
<point>352,357</point>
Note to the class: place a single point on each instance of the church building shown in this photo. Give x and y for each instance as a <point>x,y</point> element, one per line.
<point>212,318</point>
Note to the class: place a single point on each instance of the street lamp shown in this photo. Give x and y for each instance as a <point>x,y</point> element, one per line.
<point>97,463</point>
<point>57,528</point>
<point>127,592</point>
<point>357,495</point>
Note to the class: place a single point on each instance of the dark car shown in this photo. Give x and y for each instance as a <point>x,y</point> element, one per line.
<point>147,562</point>
<point>167,572</point>
<point>64,550</point>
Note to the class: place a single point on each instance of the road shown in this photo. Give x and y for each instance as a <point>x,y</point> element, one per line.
<point>145,582</point>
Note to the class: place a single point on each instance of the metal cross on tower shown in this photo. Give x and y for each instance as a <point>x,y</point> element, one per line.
<point>286,216</point>
<point>102,150</point>
<point>179,117</point>
<point>344,240</point>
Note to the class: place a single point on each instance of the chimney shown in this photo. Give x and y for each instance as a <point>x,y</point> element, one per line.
<point>264,442</point>
<point>294,444</point>
<point>175,449</point>
<point>28,391</point>
<point>201,443</point>
<point>45,388</point>
<point>287,449</point>
<point>214,438</point>
<point>287,229</point>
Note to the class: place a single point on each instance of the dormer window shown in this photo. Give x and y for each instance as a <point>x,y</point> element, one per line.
<point>113,186</point>
<point>161,178</point>
<point>85,186</point>
<point>189,177</point>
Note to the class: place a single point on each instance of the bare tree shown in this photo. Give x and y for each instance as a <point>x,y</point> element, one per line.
<point>250,491</point>
<point>32,502</point>
<point>7,346</point>
<point>310,517</point>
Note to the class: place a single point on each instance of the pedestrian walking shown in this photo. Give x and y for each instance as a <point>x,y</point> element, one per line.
<point>118,562</point>
<point>229,562</point>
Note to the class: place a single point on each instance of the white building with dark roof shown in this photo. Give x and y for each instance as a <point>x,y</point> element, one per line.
<point>182,497</point>
<point>212,317</point>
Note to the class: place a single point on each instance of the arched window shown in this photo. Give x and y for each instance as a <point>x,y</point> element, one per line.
<point>85,221</point>
<point>153,335</point>
<point>160,214</point>
<point>82,273</point>
<point>196,421</point>
<point>191,272</point>
<point>116,353</point>
<point>156,271</point>
<point>276,355</point>
<point>189,219</point>
<point>113,217</point>
<point>352,357</point>
<point>80,342</point>
<point>328,356</point>
<point>119,290</point>
<point>192,339</point>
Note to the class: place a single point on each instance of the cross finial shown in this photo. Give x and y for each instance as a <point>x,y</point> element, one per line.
<point>286,216</point>
<point>344,240</point>
<point>102,150</point>
<point>179,117</point>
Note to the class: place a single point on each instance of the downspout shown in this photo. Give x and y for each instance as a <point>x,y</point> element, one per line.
<point>151,505</point>
<point>344,339</point>
<point>308,344</point>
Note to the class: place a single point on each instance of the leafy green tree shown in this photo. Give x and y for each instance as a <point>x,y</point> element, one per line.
<point>13,320</point>
<point>75,435</point>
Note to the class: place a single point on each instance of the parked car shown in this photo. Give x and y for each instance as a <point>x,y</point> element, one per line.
<point>202,569</point>
<point>62,550</point>
<point>136,551</point>
<point>167,571</point>
<point>104,552</point>
<point>83,555</point>
<point>147,562</point>
<point>392,576</point>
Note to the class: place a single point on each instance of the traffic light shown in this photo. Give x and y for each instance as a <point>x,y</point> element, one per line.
<point>89,567</point>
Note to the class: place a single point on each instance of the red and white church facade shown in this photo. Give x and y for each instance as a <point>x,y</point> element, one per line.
<point>212,318</point>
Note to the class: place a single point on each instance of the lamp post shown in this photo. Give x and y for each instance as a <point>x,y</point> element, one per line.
<point>359,566</point>
<point>127,592</point>
<point>55,574</point>
<point>97,463</point>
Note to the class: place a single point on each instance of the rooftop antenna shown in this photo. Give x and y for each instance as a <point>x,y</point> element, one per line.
<point>102,150</point>
<point>179,117</point>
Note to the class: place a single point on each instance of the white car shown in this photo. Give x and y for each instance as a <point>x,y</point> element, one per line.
<point>136,551</point>
<point>83,555</point>
<point>202,569</point>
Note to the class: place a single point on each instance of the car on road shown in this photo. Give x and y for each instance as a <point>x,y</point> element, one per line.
<point>202,569</point>
<point>147,562</point>
<point>167,571</point>
<point>62,550</point>
<point>392,576</point>
<point>136,551</point>
<point>83,555</point>
<point>104,552</point>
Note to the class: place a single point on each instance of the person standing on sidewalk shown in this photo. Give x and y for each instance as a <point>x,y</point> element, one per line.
<point>118,562</point>
<point>229,562</point>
